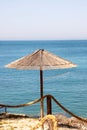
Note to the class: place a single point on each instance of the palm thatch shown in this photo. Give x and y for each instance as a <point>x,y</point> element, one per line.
<point>41,59</point>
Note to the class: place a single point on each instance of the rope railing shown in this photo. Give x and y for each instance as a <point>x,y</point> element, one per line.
<point>38,100</point>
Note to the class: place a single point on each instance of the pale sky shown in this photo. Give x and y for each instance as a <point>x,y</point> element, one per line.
<point>43,19</point>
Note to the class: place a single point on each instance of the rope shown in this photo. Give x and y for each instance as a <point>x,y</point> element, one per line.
<point>70,113</point>
<point>47,118</point>
<point>38,100</point>
<point>22,105</point>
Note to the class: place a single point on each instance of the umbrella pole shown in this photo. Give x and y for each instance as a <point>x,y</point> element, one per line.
<point>41,93</point>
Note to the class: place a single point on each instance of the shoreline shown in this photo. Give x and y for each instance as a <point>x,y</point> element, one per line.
<point>21,122</point>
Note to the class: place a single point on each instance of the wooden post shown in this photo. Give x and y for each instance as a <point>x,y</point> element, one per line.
<point>49,105</point>
<point>41,93</point>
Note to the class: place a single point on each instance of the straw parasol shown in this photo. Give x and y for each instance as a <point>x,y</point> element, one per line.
<point>41,60</point>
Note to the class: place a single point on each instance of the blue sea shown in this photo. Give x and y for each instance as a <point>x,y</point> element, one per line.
<point>68,86</point>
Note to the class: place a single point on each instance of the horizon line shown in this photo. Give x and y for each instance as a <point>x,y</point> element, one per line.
<point>43,40</point>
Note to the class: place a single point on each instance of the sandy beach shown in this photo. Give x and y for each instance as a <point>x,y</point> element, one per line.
<point>22,122</point>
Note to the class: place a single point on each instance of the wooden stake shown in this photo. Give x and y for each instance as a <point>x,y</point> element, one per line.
<point>49,105</point>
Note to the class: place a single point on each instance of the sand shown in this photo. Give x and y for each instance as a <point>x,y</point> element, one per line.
<point>22,122</point>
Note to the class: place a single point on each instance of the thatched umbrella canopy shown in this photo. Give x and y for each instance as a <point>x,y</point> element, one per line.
<point>41,60</point>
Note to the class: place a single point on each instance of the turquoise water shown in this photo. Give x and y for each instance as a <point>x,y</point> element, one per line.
<point>69,86</point>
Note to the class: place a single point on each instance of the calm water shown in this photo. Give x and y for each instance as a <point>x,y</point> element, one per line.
<point>69,86</point>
